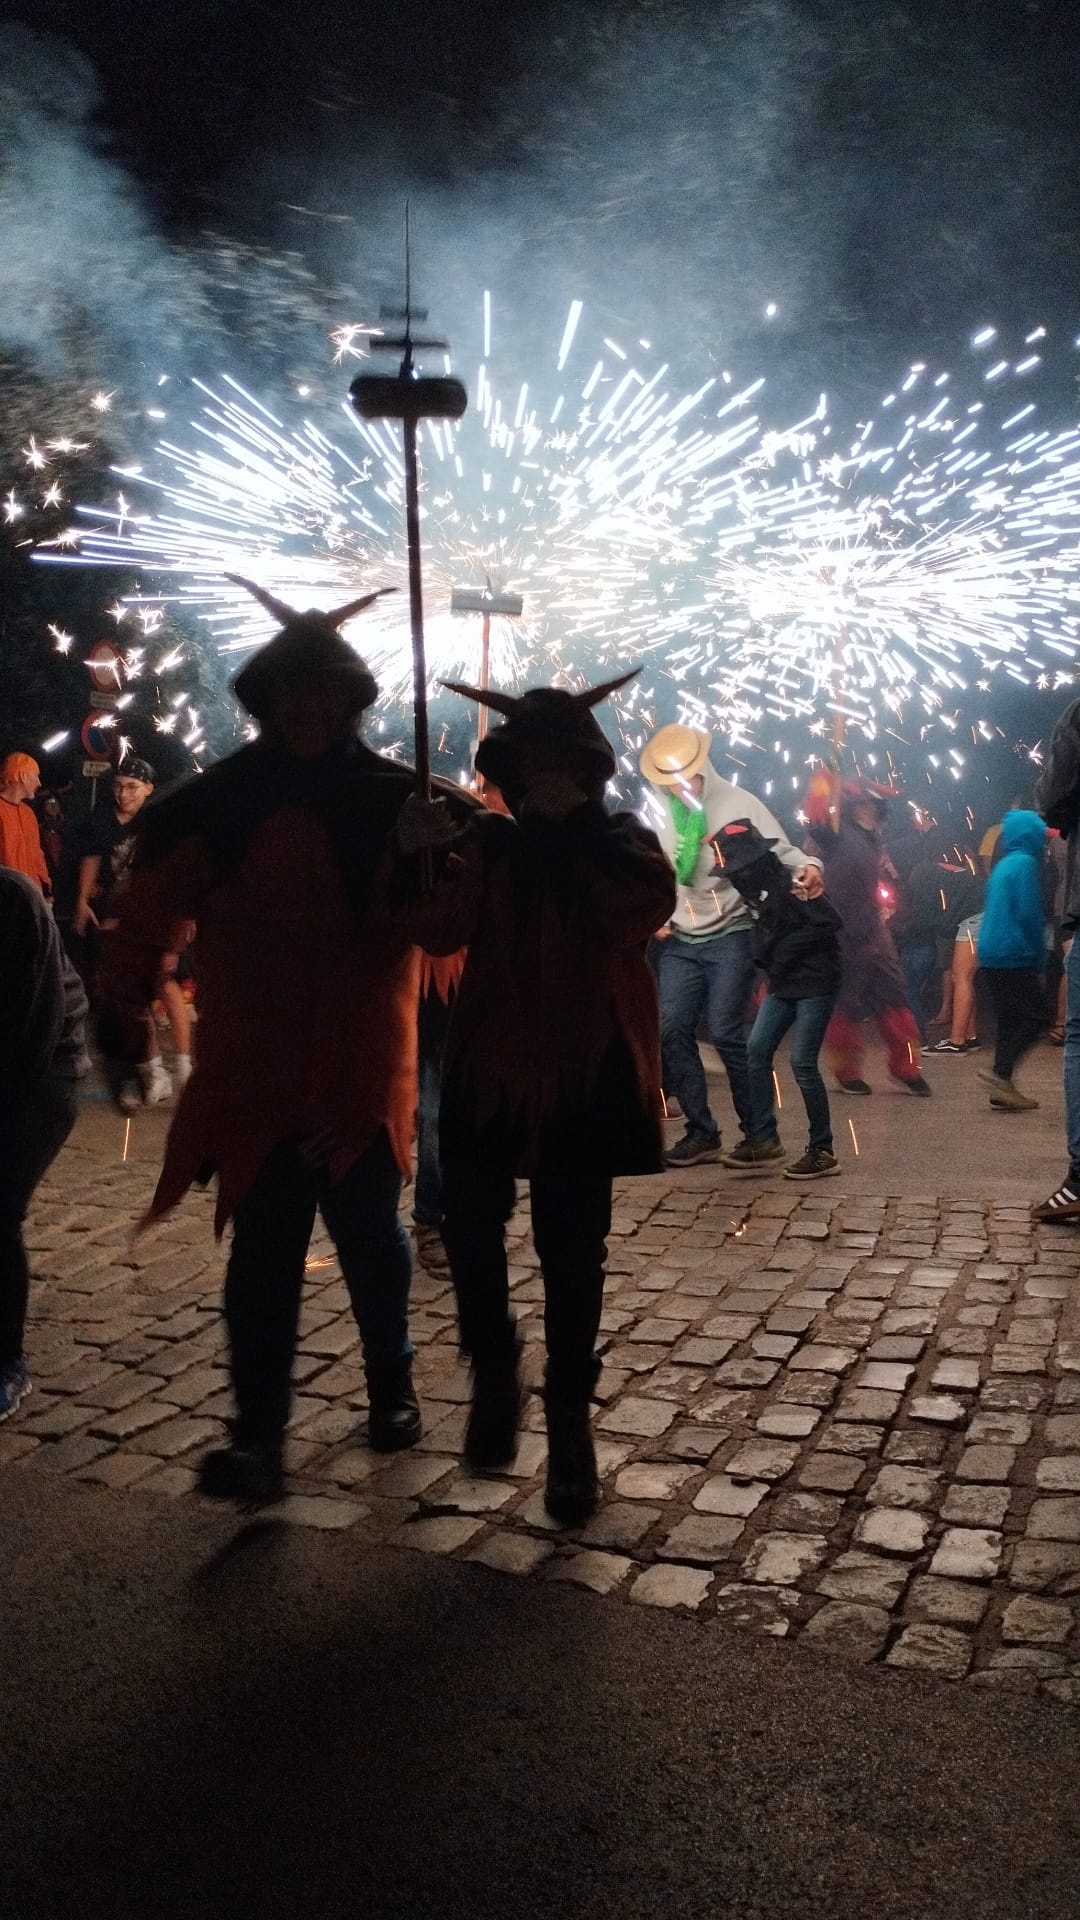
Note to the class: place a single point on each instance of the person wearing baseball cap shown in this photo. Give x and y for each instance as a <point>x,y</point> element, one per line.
<point>706,961</point>
<point>20,839</point>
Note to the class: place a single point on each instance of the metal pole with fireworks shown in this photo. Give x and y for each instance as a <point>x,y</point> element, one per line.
<point>410,397</point>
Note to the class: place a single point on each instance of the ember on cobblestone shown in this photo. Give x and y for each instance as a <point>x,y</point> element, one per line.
<point>854,1424</point>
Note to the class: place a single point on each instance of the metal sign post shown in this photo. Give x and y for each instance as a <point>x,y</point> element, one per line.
<point>485,601</point>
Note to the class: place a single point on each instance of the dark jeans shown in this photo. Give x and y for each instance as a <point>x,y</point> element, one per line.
<point>265,1275</point>
<point>30,1138</point>
<point>710,977</point>
<point>571,1217</point>
<point>1020,1011</point>
<point>427,1193</point>
<point>918,963</point>
<point>809,1017</point>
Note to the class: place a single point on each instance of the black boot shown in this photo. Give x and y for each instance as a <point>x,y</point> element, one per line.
<point>491,1437</point>
<point>253,1475</point>
<point>573,1486</point>
<point>393,1409</point>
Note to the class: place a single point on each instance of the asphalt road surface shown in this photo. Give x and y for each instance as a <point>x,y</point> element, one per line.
<point>202,1717</point>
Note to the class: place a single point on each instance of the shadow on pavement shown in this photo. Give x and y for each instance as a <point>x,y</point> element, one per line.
<point>202,1722</point>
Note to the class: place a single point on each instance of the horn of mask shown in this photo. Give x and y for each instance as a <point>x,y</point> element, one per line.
<point>339,615</point>
<point>278,608</point>
<point>504,703</point>
<point>592,696</point>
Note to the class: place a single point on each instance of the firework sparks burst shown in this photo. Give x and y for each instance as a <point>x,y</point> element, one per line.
<point>884,573</point>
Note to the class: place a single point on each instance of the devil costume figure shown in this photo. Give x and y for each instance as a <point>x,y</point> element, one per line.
<point>552,1061</point>
<point>304,1089</point>
<point>845,821</point>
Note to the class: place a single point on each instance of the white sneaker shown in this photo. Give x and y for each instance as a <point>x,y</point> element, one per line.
<point>181,1071</point>
<point>156,1083</point>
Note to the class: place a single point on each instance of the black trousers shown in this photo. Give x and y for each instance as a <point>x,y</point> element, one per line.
<point>264,1279</point>
<point>1020,1011</point>
<point>571,1218</point>
<point>30,1138</point>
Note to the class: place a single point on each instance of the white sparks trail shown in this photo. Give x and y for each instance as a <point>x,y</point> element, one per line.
<point>883,572</point>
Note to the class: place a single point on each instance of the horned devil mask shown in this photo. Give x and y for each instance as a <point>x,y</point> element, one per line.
<point>309,648</point>
<point>546,731</point>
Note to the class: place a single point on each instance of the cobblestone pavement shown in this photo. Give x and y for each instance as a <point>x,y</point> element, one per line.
<point>854,1420</point>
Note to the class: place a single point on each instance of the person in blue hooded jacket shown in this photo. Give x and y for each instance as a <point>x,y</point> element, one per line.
<point>1012,952</point>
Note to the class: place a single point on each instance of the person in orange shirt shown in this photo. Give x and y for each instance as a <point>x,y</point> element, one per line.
<point>20,840</point>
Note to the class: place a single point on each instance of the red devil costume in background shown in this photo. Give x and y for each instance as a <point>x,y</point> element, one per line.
<point>845,821</point>
<point>304,1090</point>
<point>552,1062</point>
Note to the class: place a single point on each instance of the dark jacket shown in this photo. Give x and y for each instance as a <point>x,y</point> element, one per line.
<point>552,1058</point>
<point>796,942</point>
<point>1057,797</point>
<point>42,1002</point>
<point>922,914</point>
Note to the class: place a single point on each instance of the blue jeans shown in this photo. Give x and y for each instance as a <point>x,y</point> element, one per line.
<point>427,1193</point>
<point>710,977</point>
<point>809,1017</point>
<point>265,1276</point>
<point>918,965</point>
<point>1072,1053</point>
<point>434,1018</point>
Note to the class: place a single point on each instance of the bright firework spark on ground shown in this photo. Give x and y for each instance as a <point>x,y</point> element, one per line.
<point>769,578</point>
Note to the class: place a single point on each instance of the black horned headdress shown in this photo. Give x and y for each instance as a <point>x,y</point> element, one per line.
<point>545,730</point>
<point>309,647</point>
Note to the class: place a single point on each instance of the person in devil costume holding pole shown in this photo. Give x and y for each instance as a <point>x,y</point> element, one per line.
<point>304,1092</point>
<point>552,1060</point>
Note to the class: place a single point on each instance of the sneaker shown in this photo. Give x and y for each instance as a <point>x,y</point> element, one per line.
<point>972,1046</point>
<point>948,1046</point>
<point>854,1086</point>
<point>919,1087</point>
<point>753,1156</point>
<point>1011,1100</point>
<point>430,1251</point>
<point>15,1384</point>
<point>253,1475</point>
<point>1064,1202</point>
<point>156,1083</point>
<point>181,1071</point>
<point>693,1148</point>
<point>816,1162</point>
<point>1003,1094</point>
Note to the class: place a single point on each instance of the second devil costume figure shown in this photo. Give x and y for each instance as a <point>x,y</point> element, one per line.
<point>552,1062</point>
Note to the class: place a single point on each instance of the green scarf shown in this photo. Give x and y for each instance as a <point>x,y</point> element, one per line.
<point>690,831</point>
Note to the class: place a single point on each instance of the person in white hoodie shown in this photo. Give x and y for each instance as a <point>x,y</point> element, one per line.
<point>706,964</point>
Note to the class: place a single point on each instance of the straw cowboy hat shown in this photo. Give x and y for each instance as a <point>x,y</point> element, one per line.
<point>674,754</point>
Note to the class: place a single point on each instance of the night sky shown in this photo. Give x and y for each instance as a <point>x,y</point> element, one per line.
<point>891,175</point>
